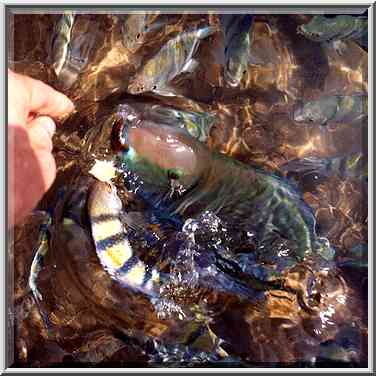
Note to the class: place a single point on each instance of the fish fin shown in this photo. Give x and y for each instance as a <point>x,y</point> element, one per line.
<point>305,165</point>
<point>165,91</point>
<point>190,66</point>
<point>134,220</point>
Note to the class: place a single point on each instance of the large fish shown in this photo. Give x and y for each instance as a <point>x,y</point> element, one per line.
<point>112,245</point>
<point>164,158</point>
<point>333,109</point>
<point>174,58</point>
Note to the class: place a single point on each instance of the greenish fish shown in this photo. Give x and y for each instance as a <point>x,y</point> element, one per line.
<point>112,246</point>
<point>174,58</point>
<point>333,109</point>
<point>237,35</point>
<point>339,28</point>
<point>354,166</point>
<point>159,158</point>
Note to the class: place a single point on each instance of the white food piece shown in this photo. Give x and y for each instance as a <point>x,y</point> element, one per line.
<point>103,170</point>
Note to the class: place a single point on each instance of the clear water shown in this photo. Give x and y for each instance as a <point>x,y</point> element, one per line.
<point>228,298</point>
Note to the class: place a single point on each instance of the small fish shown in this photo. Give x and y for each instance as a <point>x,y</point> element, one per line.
<point>197,124</point>
<point>175,57</point>
<point>356,257</point>
<point>237,33</point>
<point>336,29</point>
<point>40,253</point>
<point>353,166</point>
<point>70,55</point>
<point>113,248</point>
<point>334,109</point>
<point>135,28</point>
<point>61,39</point>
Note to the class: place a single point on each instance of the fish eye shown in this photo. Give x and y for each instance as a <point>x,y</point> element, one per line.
<point>138,36</point>
<point>154,87</point>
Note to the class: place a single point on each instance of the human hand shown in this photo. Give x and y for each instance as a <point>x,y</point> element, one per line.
<point>31,169</point>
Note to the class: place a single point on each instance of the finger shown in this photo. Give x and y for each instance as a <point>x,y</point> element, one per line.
<point>45,100</point>
<point>41,130</point>
<point>25,197</point>
<point>31,173</point>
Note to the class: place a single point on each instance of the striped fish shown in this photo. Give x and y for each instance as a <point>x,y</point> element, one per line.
<point>112,246</point>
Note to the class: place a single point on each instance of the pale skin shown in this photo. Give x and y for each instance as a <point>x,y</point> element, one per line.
<point>32,106</point>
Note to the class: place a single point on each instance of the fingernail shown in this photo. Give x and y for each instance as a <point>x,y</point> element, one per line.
<point>49,125</point>
<point>67,104</point>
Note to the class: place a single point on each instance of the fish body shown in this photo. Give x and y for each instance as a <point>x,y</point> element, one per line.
<point>175,57</point>
<point>237,34</point>
<point>70,55</point>
<point>353,166</point>
<point>61,41</point>
<point>333,109</point>
<point>339,28</point>
<point>164,158</point>
<point>40,253</point>
<point>197,124</point>
<point>112,245</point>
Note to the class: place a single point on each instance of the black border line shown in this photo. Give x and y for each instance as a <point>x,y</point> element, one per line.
<point>237,7</point>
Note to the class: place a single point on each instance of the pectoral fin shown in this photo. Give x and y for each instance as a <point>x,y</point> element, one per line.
<point>190,66</point>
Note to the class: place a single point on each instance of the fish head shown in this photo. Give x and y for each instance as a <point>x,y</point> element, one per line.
<point>237,62</point>
<point>133,28</point>
<point>235,71</point>
<point>160,154</point>
<point>310,112</point>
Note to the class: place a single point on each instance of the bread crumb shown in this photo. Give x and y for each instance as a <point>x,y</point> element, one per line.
<point>103,170</point>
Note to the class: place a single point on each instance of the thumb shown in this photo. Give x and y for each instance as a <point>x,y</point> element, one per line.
<point>41,130</point>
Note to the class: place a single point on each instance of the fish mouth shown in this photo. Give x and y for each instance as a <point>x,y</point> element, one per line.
<point>231,80</point>
<point>118,139</point>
